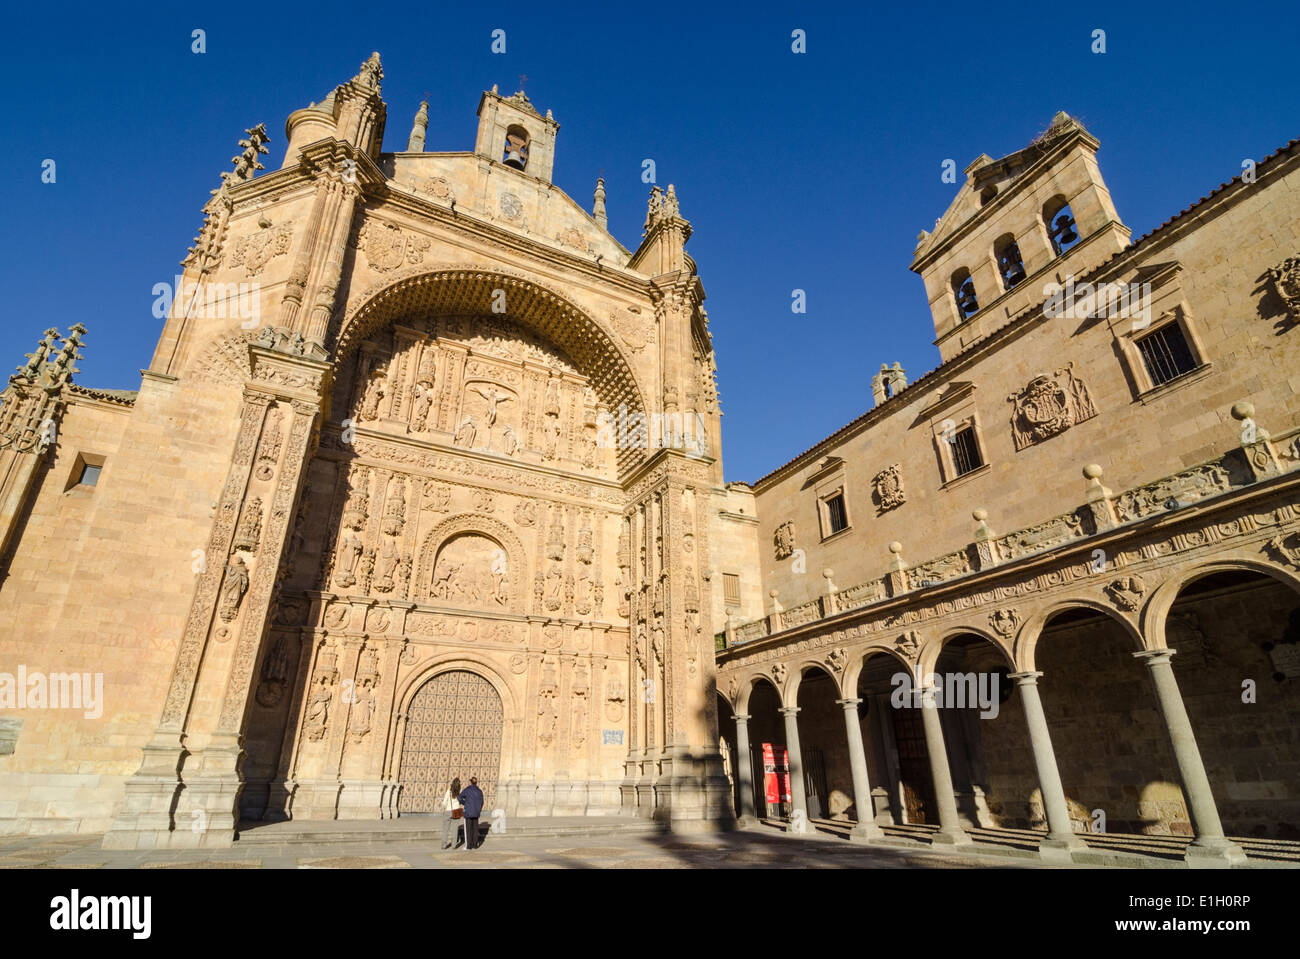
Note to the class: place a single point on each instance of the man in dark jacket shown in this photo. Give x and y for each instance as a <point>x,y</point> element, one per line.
<point>471,797</point>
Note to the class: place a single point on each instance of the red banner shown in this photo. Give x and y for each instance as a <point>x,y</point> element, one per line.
<point>769,774</point>
<point>785,776</point>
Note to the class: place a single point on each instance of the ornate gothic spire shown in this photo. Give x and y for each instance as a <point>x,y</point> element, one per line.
<point>598,208</point>
<point>416,142</point>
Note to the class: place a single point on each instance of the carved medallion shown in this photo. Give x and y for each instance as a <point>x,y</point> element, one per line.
<point>1004,622</point>
<point>1127,592</point>
<point>779,672</point>
<point>511,207</point>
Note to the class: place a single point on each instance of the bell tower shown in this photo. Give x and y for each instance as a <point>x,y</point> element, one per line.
<point>512,132</point>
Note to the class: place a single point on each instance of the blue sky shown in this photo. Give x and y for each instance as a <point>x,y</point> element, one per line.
<point>813,171</point>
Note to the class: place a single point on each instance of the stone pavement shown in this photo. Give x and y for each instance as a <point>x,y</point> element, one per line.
<point>739,850</point>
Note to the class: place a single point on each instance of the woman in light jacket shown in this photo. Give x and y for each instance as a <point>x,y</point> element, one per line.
<point>448,804</point>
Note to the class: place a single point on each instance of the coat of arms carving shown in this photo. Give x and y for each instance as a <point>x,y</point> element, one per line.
<point>1286,283</point>
<point>888,488</point>
<point>387,247</point>
<point>633,328</point>
<point>1049,405</point>
<point>256,250</point>
<point>783,539</point>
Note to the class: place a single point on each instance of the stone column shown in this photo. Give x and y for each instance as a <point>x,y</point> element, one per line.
<point>866,827</point>
<point>1061,839</point>
<point>745,771</point>
<point>1210,847</point>
<point>797,794</point>
<point>950,831</point>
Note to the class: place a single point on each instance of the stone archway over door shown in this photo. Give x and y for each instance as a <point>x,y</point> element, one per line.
<point>453,728</point>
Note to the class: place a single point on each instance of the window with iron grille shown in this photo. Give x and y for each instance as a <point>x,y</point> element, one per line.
<point>837,516</point>
<point>1166,354</point>
<point>965,451</point>
<point>731,588</point>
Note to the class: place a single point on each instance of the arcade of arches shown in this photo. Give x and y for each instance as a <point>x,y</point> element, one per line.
<point>1088,714</point>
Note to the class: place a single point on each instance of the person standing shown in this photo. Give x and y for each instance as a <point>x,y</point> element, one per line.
<point>471,797</point>
<point>451,811</point>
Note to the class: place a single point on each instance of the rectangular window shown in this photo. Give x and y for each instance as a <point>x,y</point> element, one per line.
<point>89,475</point>
<point>1166,354</point>
<point>965,452</point>
<point>731,589</point>
<point>836,515</point>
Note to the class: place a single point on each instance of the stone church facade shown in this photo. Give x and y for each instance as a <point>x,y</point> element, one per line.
<point>424,480</point>
<point>370,521</point>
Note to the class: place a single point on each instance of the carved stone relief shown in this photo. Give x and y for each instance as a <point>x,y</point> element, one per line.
<point>1049,405</point>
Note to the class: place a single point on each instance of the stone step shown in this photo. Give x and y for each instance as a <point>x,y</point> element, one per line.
<point>420,829</point>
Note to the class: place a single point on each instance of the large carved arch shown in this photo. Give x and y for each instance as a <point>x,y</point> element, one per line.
<point>528,302</point>
<point>454,526</point>
<point>1026,639</point>
<point>1155,614</point>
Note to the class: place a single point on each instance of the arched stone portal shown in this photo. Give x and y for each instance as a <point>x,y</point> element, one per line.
<point>454,728</point>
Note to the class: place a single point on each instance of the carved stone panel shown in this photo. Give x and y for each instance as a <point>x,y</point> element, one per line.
<point>1049,405</point>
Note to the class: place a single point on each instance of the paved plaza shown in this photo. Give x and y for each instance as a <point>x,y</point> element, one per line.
<point>556,844</point>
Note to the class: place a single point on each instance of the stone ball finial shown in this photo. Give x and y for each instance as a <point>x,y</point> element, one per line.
<point>827,573</point>
<point>895,547</point>
<point>772,593</point>
<point>1243,411</point>
<point>980,515</point>
<point>1092,471</point>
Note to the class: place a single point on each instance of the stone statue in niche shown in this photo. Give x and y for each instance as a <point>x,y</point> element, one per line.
<point>232,592</point>
<point>509,440</point>
<point>494,398</point>
<point>386,568</point>
<point>466,432</point>
<point>423,404</point>
<point>275,674</point>
<point>350,550</point>
<point>318,710</point>
<point>376,390</point>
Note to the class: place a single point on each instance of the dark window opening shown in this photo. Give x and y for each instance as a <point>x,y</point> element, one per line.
<point>987,194</point>
<point>1166,354</point>
<point>1010,264</point>
<point>966,452</point>
<point>837,515</point>
<point>89,475</point>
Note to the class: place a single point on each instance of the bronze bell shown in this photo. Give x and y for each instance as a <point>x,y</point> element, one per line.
<point>1065,230</point>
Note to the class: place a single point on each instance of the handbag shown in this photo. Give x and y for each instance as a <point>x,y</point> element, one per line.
<point>458,814</point>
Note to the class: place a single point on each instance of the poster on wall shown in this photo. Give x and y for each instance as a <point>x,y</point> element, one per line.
<point>785,776</point>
